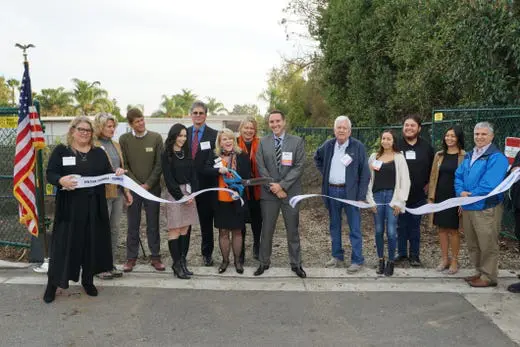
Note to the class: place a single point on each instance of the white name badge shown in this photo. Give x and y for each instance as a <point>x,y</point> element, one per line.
<point>410,155</point>
<point>376,165</point>
<point>68,161</point>
<point>346,160</point>
<point>149,149</point>
<point>286,159</point>
<point>205,145</point>
<point>218,163</point>
<point>188,188</point>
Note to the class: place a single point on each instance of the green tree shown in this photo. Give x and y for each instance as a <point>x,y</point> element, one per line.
<point>169,108</point>
<point>185,99</point>
<point>13,84</point>
<point>138,106</point>
<point>5,93</point>
<point>214,106</point>
<point>56,102</point>
<point>246,109</point>
<point>90,97</point>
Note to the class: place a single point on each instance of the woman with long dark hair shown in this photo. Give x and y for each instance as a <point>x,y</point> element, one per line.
<point>180,178</point>
<point>441,188</point>
<point>387,192</point>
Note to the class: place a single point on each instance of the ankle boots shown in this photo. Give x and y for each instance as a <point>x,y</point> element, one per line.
<point>381,267</point>
<point>50,293</point>
<point>175,251</point>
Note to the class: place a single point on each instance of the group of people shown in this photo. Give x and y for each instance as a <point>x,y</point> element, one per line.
<point>402,173</point>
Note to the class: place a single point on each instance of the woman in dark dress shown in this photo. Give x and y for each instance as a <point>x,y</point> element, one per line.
<point>230,216</point>
<point>442,188</point>
<point>81,228</point>
<point>180,178</point>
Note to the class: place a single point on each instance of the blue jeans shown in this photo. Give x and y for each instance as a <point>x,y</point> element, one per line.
<point>385,215</point>
<point>354,224</point>
<point>409,230</point>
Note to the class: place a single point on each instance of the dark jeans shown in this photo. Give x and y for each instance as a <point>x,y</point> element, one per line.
<point>409,232</point>
<point>255,213</point>
<point>151,209</point>
<point>354,223</point>
<point>205,209</point>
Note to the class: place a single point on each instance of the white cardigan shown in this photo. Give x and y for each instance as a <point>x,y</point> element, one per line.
<point>402,182</point>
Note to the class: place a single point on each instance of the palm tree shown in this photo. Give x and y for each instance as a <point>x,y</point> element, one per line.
<point>138,106</point>
<point>185,99</point>
<point>13,84</point>
<point>90,97</point>
<point>214,106</point>
<point>55,102</point>
<point>169,108</point>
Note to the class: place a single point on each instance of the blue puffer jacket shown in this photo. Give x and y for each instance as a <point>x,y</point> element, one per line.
<point>482,177</point>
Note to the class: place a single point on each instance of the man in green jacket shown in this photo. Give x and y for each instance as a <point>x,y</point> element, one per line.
<point>142,154</point>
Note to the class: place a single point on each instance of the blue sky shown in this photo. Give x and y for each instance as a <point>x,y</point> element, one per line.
<point>140,50</point>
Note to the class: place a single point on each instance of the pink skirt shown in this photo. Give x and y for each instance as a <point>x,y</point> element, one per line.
<point>181,215</point>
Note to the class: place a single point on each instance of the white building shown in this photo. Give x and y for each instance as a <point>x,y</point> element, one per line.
<point>56,127</point>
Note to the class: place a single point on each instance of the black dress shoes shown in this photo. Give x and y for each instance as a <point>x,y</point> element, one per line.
<point>208,260</point>
<point>299,271</point>
<point>261,270</point>
<point>50,293</point>
<point>90,289</point>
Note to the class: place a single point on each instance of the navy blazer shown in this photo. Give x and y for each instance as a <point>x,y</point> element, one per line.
<point>357,174</point>
<point>202,156</point>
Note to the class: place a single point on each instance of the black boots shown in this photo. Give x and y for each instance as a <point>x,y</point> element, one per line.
<point>175,251</point>
<point>381,267</point>
<point>389,269</point>
<point>185,244</point>
<point>87,281</point>
<point>50,293</point>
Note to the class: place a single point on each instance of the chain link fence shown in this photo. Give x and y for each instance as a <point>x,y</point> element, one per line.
<point>11,231</point>
<point>506,123</point>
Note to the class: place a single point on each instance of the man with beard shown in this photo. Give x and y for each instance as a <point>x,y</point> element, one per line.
<point>419,157</point>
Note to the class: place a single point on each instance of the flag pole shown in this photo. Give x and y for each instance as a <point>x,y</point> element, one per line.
<point>39,249</point>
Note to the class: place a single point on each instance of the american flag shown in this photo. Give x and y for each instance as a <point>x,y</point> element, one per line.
<point>29,135</point>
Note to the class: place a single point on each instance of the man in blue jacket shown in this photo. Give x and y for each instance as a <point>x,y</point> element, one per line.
<point>481,171</point>
<point>343,164</point>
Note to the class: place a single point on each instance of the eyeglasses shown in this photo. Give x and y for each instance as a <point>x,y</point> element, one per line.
<point>198,113</point>
<point>83,130</point>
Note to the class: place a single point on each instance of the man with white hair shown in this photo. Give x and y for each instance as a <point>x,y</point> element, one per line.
<point>481,171</point>
<point>343,164</point>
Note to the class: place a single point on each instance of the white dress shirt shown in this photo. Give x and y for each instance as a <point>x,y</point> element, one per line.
<point>337,169</point>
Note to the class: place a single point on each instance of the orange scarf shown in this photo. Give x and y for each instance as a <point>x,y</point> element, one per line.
<point>254,168</point>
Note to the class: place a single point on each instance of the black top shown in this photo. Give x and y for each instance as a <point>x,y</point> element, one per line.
<point>176,171</point>
<point>445,184</point>
<point>385,177</point>
<point>419,168</point>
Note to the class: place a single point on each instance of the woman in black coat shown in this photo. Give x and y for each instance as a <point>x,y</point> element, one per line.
<point>230,216</point>
<point>515,199</point>
<point>81,228</point>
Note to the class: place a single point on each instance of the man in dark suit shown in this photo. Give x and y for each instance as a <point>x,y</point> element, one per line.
<point>342,161</point>
<point>281,157</point>
<point>201,142</point>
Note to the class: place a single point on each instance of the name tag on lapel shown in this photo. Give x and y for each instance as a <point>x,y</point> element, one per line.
<point>346,160</point>
<point>287,159</point>
<point>68,161</point>
<point>205,145</point>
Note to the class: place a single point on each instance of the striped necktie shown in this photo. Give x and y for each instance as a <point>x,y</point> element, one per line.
<point>195,144</point>
<point>278,150</point>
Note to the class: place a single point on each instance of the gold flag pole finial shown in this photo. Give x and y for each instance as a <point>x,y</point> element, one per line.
<point>24,48</point>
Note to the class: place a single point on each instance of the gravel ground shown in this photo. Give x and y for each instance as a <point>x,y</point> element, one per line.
<point>315,240</point>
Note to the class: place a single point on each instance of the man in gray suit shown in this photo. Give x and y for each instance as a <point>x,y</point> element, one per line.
<point>281,157</point>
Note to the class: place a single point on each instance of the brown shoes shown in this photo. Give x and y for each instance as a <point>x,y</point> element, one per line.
<point>471,278</point>
<point>480,283</point>
<point>129,265</point>
<point>157,264</point>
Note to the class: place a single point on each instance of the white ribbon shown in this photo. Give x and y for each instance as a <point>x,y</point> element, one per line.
<point>428,208</point>
<point>127,182</point>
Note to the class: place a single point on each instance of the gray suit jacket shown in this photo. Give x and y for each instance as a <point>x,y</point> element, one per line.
<point>288,176</point>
